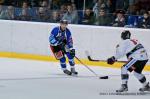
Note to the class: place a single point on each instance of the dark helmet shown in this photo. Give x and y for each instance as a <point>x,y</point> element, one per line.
<point>64,21</point>
<point>125,35</point>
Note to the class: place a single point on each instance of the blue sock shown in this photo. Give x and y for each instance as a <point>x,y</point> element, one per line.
<point>63,63</point>
<point>71,60</point>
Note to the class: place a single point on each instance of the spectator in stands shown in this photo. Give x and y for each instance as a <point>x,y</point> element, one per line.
<point>74,7</point>
<point>63,10</point>
<point>55,18</point>
<point>42,15</point>
<point>89,3</point>
<point>132,2</point>
<point>100,4</point>
<point>149,12</point>
<point>1,1</point>
<point>1,8</point>
<point>8,2</point>
<point>132,21</point>
<point>8,14</point>
<point>45,5</point>
<point>145,22</point>
<point>132,17</point>
<point>132,10</point>
<point>25,16</point>
<point>103,19</point>
<point>88,17</point>
<point>120,19</point>
<point>110,6</point>
<point>55,4</point>
<point>144,4</point>
<point>122,4</point>
<point>71,15</point>
<point>25,7</point>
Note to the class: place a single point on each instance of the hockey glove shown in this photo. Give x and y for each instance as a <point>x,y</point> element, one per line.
<point>111,60</point>
<point>72,52</point>
<point>63,45</point>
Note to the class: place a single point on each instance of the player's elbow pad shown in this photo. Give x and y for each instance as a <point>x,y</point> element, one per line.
<point>53,42</point>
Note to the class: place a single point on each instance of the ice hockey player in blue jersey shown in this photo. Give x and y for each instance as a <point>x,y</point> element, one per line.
<point>61,44</point>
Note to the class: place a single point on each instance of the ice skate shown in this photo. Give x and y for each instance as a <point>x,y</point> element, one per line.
<point>145,88</point>
<point>67,72</point>
<point>73,71</point>
<point>123,88</point>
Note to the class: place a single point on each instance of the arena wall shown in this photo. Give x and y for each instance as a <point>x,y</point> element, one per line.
<point>33,38</point>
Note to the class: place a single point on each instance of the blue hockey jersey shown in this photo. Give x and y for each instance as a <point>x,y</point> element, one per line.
<point>57,36</point>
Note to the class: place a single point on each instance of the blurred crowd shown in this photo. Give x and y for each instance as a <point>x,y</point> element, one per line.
<point>117,13</point>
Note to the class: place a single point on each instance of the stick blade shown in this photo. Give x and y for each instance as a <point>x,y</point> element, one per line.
<point>103,77</point>
<point>89,57</point>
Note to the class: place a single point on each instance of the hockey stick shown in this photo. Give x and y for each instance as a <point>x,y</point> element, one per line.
<point>95,60</point>
<point>103,77</point>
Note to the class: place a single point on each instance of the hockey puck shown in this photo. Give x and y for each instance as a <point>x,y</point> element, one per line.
<point>103,77</point>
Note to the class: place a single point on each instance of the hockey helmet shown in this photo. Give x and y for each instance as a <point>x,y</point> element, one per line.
<point>125,34</point>
<point>63,21</point>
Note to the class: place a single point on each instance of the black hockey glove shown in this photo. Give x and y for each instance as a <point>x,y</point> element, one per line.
<point>72,52</point>
<point>62,45</point>
<point>111,60</point>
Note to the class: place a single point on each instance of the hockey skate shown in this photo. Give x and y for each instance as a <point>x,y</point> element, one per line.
<point>123,88</point>
<point>145,88</point>
<point>73,71</point>
<point>67,72</point>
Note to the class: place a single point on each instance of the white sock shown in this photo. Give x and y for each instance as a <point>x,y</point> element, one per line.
<point>64,69</point>
<point>124,81</point>
<point>72,67</point>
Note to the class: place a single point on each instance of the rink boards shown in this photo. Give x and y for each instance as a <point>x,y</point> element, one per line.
<point>29,40</point>
<point>52,59</point>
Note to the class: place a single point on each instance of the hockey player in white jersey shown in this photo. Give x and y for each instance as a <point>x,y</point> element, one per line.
<point>137,59</point>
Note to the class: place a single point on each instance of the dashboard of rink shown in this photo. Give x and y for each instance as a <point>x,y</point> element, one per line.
<point>30,40</point>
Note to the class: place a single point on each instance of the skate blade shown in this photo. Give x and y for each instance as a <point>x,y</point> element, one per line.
<point>144,90</point>
<point>74,75</point>
<point>122,91</point>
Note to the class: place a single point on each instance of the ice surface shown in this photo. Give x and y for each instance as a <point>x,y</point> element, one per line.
<point>27,79</point>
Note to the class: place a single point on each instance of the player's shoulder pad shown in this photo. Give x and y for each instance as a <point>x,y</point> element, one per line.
<point>55,30</point>
<point>126,41</point>
<point>67,30</point>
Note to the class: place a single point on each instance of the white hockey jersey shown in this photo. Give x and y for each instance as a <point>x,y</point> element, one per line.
<point>132,49</point>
